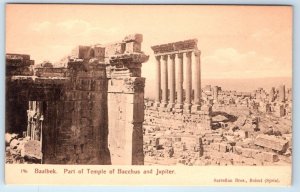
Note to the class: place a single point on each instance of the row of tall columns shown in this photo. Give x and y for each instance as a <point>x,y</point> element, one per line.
<point>165,72</point>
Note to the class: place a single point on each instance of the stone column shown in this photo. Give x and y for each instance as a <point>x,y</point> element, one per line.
<point>188,82</point>
<point>125,98</point>
<point>281,93</point>
<point>272,94</point>
<point>125,120</point>
<point>179,81</point>
<point>171,76</point>
<point>215,93</point>
<point>196,81</point>
<point>164,81</point>
<point>157,79</point>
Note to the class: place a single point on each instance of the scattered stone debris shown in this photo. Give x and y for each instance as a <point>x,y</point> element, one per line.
<point>22,150</point>
<point>272,142</point>
<point>244,129</point>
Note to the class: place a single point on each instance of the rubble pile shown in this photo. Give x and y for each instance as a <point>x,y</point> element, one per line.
<point>240,133</point>
<point>22,150</point>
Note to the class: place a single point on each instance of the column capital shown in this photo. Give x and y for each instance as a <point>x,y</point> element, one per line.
<point>197,53</point>
<point>188,54</point>
<point>172,56</point>
<point>180,55</point>
<point>165,57</point>
<point>157,57</point>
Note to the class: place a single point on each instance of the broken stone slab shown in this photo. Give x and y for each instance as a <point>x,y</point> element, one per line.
<point>249,153</point>
<point>32,150</point>
<point>114,49</point>
<point>245,152</point>
<point>9,137</point>
<point>14,143</point>
<point>267,156</point>
<point>271,142</point>
<point>132,57</point>
<point>241,121</point>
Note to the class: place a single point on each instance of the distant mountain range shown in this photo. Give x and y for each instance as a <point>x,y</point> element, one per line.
<point>246,85</point>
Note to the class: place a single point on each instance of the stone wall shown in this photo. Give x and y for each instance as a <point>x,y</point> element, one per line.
<point>16,96</point>
<point>74,112</point>
<point>90,112</point>
<point>75,130</point>
<point>197,123</point>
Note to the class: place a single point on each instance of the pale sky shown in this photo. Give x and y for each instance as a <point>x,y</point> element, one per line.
<point>235,41</point>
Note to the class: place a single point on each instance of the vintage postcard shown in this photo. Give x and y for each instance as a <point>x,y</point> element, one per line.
<point>197,95</point>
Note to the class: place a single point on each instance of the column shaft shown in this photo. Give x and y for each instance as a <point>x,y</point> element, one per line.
<point>172,80</point>
<point>196,78</point>
<point>188,80</point>
<point>179,80</point>
<point>164,81</point>
<point>157,80</point>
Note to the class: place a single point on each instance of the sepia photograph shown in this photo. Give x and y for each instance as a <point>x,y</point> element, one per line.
<point>148,85</point>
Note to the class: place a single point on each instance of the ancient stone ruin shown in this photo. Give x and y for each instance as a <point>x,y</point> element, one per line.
<point>89,112</point>
<point>183,106</point>
<point>92,110</point>
<point>193,125</point>
<point>168,53</point>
